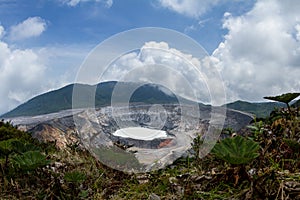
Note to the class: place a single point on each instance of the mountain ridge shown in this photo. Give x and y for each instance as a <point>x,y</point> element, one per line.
<point>61,99</point>
<point>259,109</point>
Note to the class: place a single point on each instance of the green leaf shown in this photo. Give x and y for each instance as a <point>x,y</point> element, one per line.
<point>254,128</point>
<point>30,160</point>
<point>6,147</point>
<point>75,177</point>
<point>22,147</point>
<point>284,98</point>
<point>236,150</point>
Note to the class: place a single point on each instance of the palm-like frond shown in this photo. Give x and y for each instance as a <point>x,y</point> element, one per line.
<point>284,98</point>
<point>22,147</point>
<point>236,150</point>
<point>30,160</point>
<point>75,177</point>
<point>6,147</point>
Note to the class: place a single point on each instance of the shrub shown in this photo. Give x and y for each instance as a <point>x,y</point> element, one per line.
<point>75,177</point>
<point>6,149</point>
<point>30,160</point>
<point>285,98</point>
<point>236,150</point>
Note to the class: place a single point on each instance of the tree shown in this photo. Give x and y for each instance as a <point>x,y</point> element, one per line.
<point>284,98</point>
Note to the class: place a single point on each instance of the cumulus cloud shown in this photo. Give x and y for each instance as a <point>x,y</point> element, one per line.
<point>158,63</point>
<point>21,75</point>
<point>24,74</point>
<point>73,3</point>
<point>260,54</point>
<point>190,8</point>
<point>31,27</point>
<point>28,72</point>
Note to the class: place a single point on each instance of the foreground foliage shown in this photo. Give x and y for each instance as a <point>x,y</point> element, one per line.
<point>284,98</point>
<point>237,150</point>
<point>263,163</point>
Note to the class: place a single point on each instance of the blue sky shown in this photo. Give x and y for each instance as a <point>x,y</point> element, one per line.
<point>93,21</point>
<point>252,43</point>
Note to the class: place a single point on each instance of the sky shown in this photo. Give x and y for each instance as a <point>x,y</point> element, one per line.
<point>254,45</point>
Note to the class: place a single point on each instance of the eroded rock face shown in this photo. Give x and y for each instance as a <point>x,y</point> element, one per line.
<point>50,133</point>
<point>93,130</point>
<point>60,130</point>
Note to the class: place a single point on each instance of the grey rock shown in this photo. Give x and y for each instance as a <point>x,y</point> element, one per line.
<point>153,196</point>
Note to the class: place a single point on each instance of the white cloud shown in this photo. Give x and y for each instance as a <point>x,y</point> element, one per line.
<point>22,75</point>
<point>190,8</point>
<point>2,32</point>
<point>73,3</point>
<point>26,73</point>
<point>158,63</point>
<point>260,55</point>
<point>31,27</point>
<point>109,3</point>
<point>297,27</point>
<point>29,72</point>
<point>197,26</point>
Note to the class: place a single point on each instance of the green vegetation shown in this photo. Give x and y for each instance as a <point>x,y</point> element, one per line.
<point>263,163</point>
<point>260,110</point>
<point>285,98</point>
<point>6,148</point>
<point>117,157</point>
<point>75,177</point>
<point>30,160</point>
<point>237,150</point>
